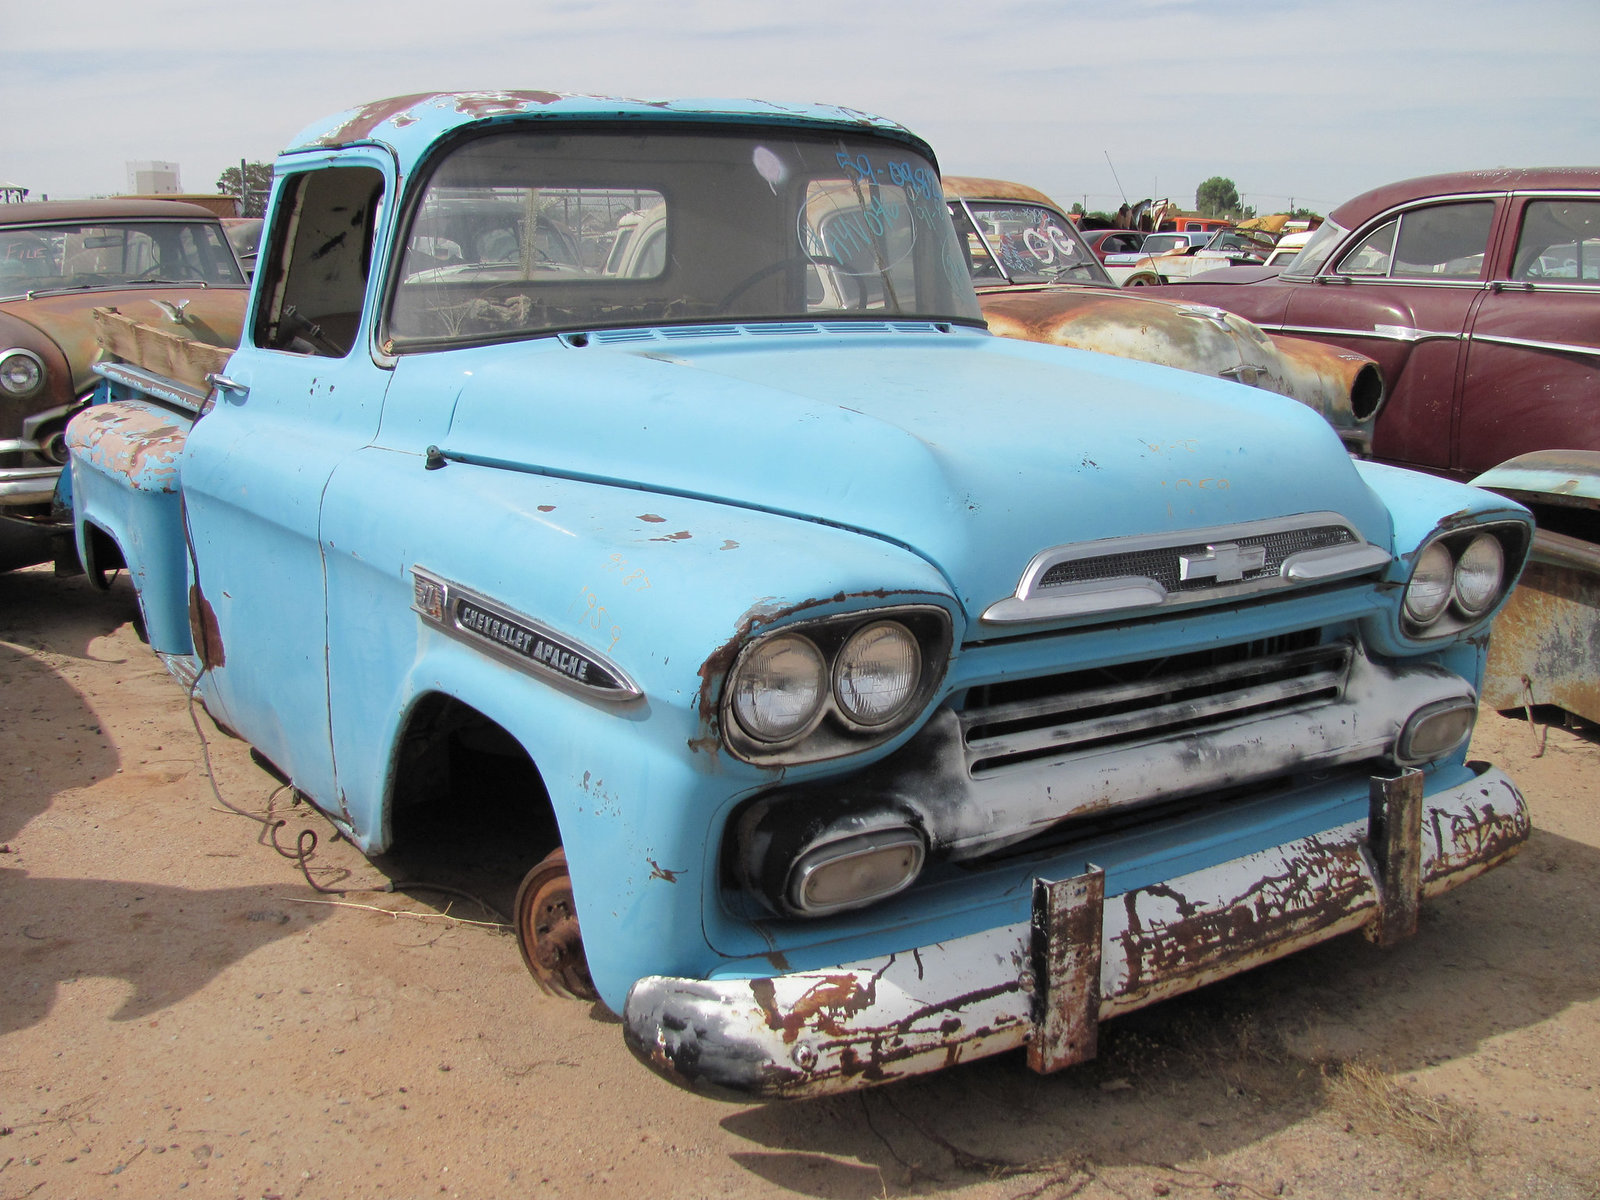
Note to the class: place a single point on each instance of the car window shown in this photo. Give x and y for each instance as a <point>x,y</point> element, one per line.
<point>321,258</point>
<point>1322,243</point>
<point>1560,241</point>
<point>88,256</point>
<point>1443,241</point>
<point>1372,253</point>
<point>1024,243</point>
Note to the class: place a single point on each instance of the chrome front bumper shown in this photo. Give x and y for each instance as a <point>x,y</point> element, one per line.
<point>1047,983</point>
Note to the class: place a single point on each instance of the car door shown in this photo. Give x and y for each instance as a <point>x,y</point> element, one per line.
<point>1403,291</point>
<point>302,395</point>
<point>1532,377</point>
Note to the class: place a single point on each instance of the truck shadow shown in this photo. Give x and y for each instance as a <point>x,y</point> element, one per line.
<point>78,614</point>
<point>58,931</point>
<point>1221,1068</point>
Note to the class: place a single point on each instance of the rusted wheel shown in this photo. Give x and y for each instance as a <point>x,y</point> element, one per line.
<point>547,929</point>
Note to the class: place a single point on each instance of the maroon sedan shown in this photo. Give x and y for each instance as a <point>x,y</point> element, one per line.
<point>1479,293</point>
<point>1102,242</point>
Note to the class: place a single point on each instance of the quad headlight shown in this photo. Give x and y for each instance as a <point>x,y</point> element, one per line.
<point>1460,576</point>
<point>833,686</point>
<point>778,687</point>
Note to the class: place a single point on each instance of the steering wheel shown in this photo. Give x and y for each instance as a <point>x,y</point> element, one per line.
<point>772,268</point>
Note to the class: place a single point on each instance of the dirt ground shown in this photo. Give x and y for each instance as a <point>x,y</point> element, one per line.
<point>180,1013</point>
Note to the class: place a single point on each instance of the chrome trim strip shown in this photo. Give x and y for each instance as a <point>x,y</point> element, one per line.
<point>1532,344</point>
<point>187,398</point>
<point>518,640</point>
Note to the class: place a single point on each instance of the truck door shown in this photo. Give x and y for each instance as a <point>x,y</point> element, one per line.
<point>303,395</point>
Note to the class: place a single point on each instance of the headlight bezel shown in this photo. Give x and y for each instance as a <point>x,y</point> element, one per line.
<point>1458,616</point>
<point>834,731</point>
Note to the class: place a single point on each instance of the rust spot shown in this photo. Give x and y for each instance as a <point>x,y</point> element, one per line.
<point>397,109</point>
<point>681,536</point>
<point>657,871</point>
<point>830,1000</point>
<point>1544,647</point>
<point>1273,909</point>
<point>1484,837</point>
<point>547,508</point>
<point>730,545</point>
<point>203,629</point>
<point>652,518</point>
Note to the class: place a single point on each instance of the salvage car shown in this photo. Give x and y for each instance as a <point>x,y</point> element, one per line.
<point>1038,280</point>
<point>1103,242</point>
<point>1479,292</point>
<point>882,693</point>
<point>164,263</point>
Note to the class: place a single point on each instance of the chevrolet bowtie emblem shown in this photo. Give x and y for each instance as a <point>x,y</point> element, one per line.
<point>1227,562</point>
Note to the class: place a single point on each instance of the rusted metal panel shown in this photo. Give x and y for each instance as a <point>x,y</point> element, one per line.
<point>972,187</point>
<point>214,316</point>
<point>1067,919</point>
<point>815,1033</point>
<point>1395,842</point>
<point>135,443</point>
<point>1545,644</point>
<point>1345,387</point>
<point>821,1032</point>
<point>1173,937</point>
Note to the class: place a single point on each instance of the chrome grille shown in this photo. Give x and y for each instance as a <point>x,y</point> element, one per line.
<point>1164,564</point>
<point>1082,712</point>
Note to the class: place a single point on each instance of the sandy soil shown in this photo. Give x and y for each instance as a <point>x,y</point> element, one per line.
<point>180,1013</point>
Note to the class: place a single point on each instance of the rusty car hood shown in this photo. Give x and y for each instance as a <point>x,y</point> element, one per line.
<point>924,439</point>
<point>1346,388</point>
<point>213,315</point>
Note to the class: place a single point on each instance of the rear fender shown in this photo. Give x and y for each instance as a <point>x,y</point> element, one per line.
<point>124,459</point>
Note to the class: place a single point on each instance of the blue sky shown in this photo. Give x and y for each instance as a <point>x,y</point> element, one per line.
<point>1312,102</point>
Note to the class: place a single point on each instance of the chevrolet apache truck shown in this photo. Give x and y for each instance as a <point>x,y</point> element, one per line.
<point>895,693</point>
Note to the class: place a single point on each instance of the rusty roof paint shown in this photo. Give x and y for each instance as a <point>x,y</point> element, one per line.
<point>410,124</point>
<point>973,187</point>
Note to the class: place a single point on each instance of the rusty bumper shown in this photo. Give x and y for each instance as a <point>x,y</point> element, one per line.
<point>1046,983</point>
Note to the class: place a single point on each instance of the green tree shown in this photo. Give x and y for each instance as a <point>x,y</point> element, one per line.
<point>251,185</point>
<point>1217,197</point>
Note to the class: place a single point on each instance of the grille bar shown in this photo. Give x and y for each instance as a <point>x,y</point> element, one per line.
<point>1082,717</point>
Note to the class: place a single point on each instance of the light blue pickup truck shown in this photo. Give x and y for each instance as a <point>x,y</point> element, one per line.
<point>896,693</point>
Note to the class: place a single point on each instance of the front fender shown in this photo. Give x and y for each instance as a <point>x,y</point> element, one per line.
<point>661,587</point>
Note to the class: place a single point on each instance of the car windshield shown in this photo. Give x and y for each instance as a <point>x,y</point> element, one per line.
<point>539,231</point>
<point>1315,252</point>
<point>1014,242</point>
<point>96,255</point>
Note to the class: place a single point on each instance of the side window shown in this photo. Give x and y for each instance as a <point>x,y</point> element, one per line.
<point>1371,255</point>
<point>1560,242</point>
<point>320,260</point>
<point>1445,241</point>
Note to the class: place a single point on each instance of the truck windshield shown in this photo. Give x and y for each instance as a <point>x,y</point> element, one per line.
<point>537,231</point>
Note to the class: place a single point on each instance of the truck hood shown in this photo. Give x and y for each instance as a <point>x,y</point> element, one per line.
<point>973,451</point>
